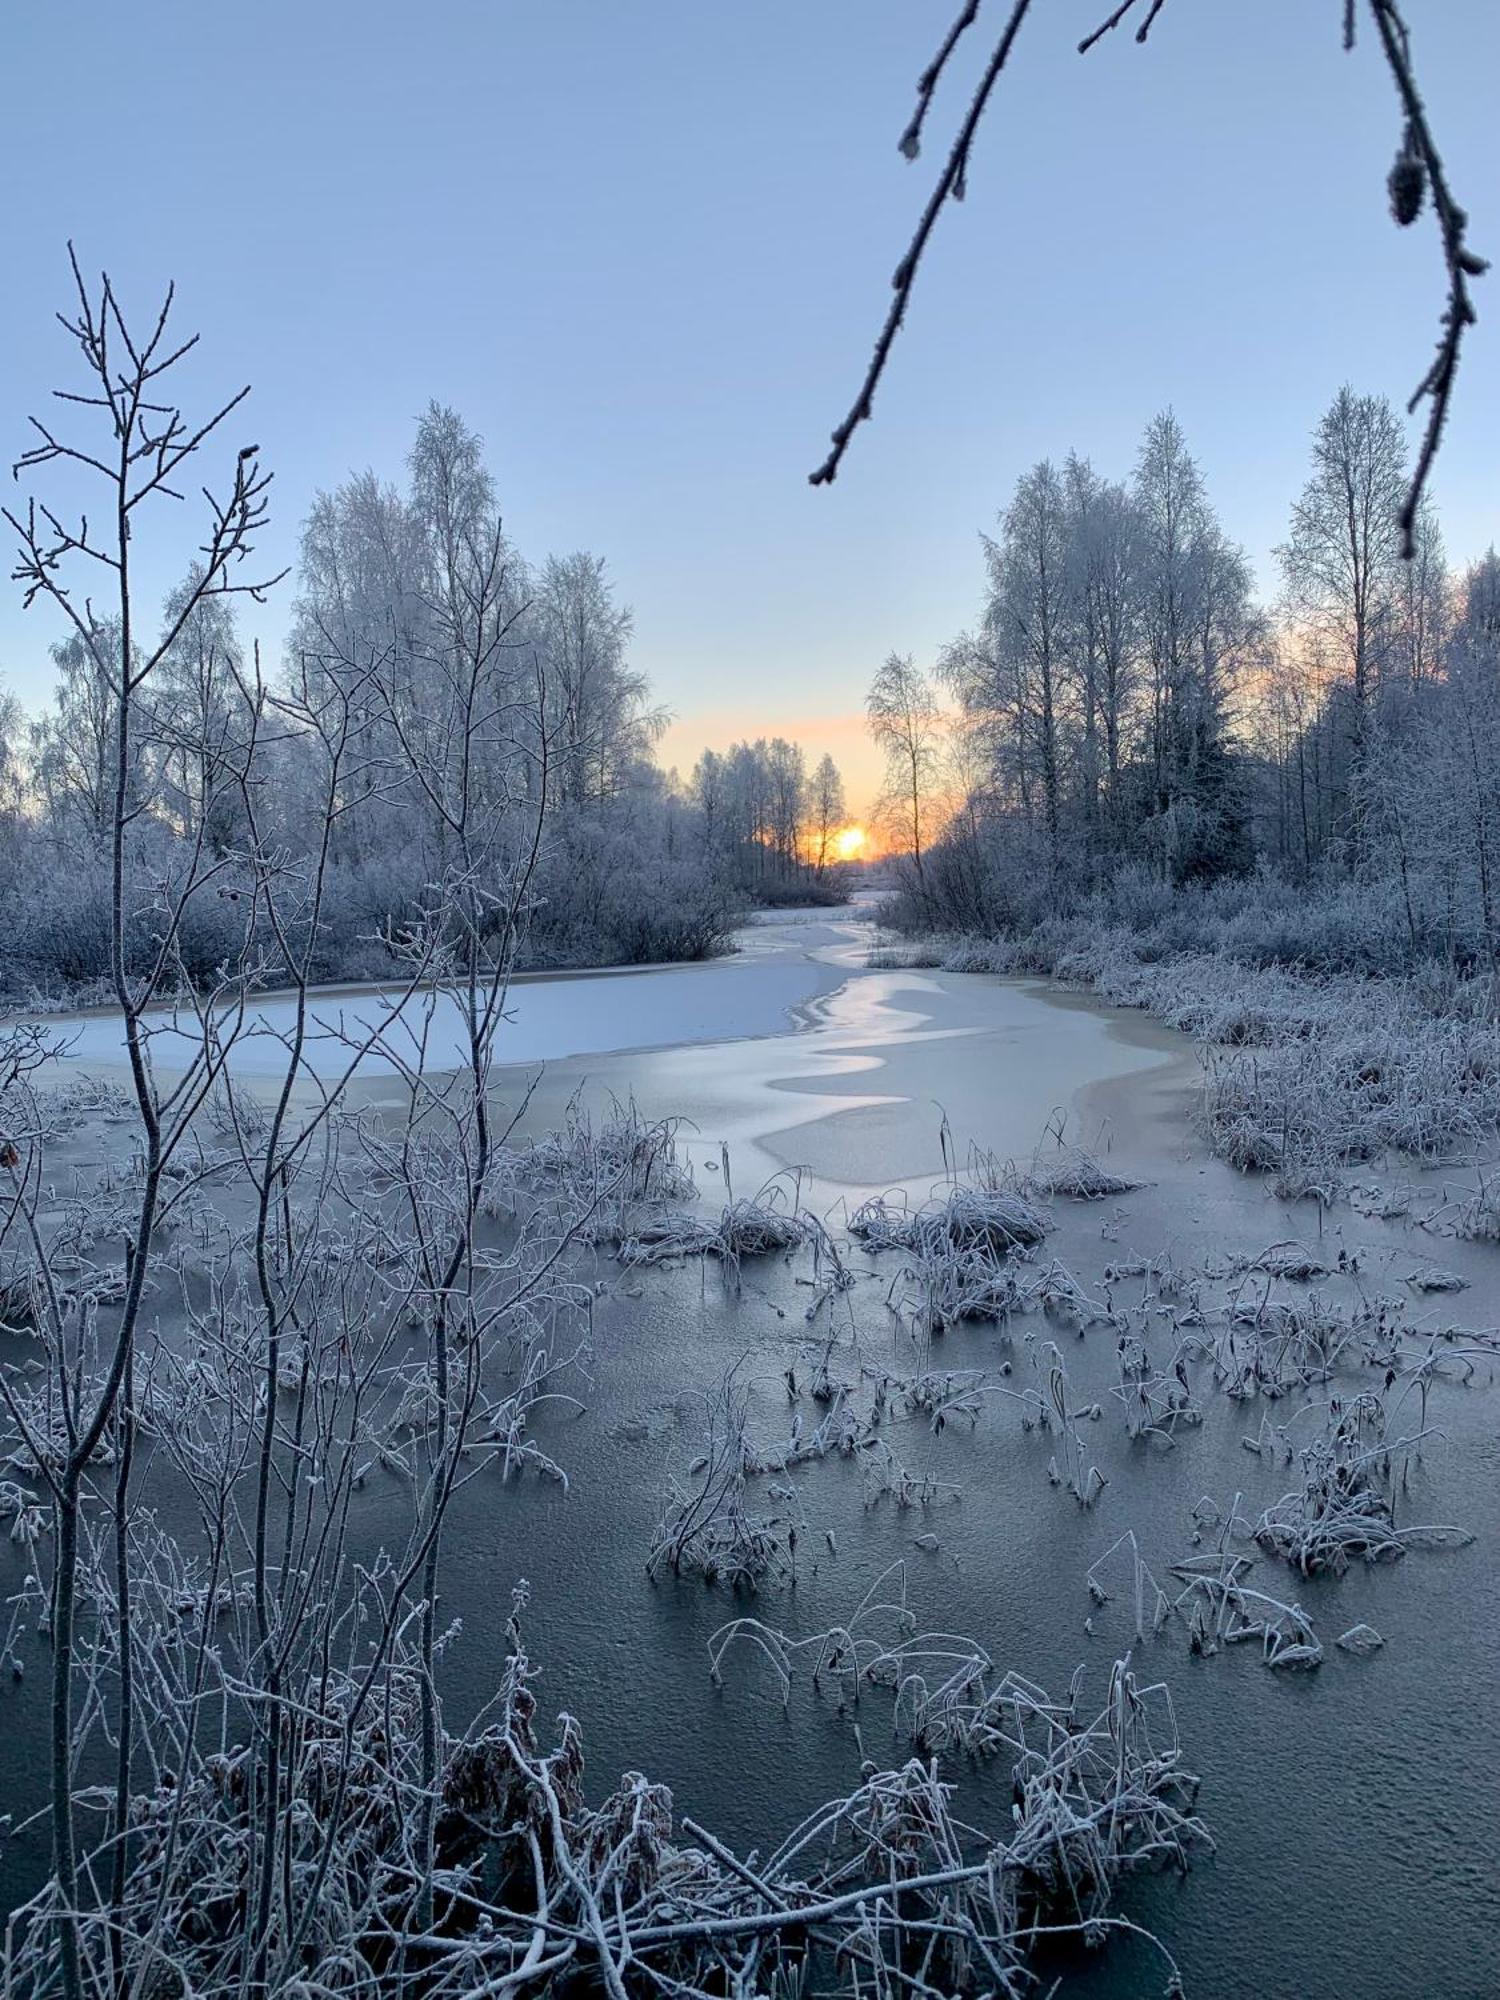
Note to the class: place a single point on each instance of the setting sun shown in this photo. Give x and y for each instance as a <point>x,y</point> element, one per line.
<point>849,842</point>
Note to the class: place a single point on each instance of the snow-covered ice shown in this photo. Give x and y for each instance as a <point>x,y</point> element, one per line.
<point>546,1019</point>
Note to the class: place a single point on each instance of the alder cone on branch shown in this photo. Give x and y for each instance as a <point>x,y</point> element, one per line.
<point>1407,183</point>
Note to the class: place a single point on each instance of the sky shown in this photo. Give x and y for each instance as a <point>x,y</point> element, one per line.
<point>643,246</point>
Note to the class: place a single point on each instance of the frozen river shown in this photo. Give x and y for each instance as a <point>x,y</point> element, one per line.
<point>546,1017</point>
<point>1356,1809</point>
<point>814,1037</point>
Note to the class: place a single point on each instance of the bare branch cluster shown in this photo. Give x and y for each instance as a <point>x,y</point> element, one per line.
<point>1418,167</point>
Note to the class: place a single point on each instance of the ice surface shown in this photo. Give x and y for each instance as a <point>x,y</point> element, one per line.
<point>546,1019</point>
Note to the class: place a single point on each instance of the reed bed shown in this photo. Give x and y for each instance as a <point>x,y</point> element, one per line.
<point>979,1218</point>
<point>615,1171</point>
<point>1213,1601</point>
<point>1074,1175</point>
<point>539,1890</point>
<point>709,1525</point>
<point>758,1227</point>
<point>1346,1503</point>
<point>1092,1796</point>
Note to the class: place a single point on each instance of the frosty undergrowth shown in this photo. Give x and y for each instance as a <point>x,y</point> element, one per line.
<point>1306,1074</point>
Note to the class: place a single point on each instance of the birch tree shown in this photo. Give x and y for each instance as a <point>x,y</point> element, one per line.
<point>827,811</point>
<point>905,722</point>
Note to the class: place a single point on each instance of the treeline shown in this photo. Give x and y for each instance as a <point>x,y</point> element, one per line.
<point>451,679</point>
<point>1127,712</point>
<point>771,827</point>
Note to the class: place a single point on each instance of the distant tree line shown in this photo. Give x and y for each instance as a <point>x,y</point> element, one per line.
<point>770,826</point>
<point>458,678</point>
<point>1123,703</point>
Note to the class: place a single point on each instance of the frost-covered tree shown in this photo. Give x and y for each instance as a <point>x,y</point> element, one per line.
<point>72,743</point>
<point>786,772</point>
<point>1429,786</point>
<point>709,789</point>
<point>1098,693</point>
<point>135,447</point>
<point>1423,606</point>
<point>1475,640</point>
<point>1104,610</point>
<point>1197,625</point>
<point>478,684</point>
<point>1342,560</point>
<point>905,721</point>
<point>827,811</point>
<point>603,726</point>
<point>1029,615</point>
<point>198,723</point>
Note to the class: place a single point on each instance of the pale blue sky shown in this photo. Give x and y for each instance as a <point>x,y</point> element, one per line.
<point>643,246</point>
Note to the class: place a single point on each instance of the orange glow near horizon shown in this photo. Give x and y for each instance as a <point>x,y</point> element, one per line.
<point>846,736</point>
<point>850,842</point>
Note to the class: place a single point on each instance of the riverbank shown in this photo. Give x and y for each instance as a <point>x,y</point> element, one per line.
<point>1310,1078</point>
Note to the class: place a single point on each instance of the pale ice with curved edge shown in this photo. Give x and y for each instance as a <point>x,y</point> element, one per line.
<point>739,998</point>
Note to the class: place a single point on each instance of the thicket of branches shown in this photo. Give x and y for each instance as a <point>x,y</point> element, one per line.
<point>1132,725</point>
<point>1417,181</point>
<point>337,1303</point>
